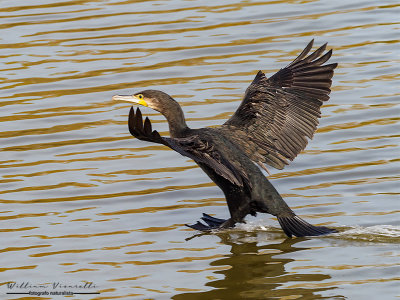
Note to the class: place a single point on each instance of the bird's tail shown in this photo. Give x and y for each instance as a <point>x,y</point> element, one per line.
<point>296,226</point>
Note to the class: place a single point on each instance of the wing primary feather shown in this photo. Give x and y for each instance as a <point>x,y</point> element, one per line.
<point>139,120</point>
<point>314,92</point>
<point>132,122</point>
<point>303,53</point>
<point>325,85</point>
<point>315,96</point>
<point>316,53</point>
<point>306,69</point>
<point>147,127</point>
<point>324,58</point>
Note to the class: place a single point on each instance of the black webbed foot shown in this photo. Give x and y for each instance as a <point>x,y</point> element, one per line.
<point>212,223</point>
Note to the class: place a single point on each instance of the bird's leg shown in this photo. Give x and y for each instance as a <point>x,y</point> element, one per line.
<point>229,223</point>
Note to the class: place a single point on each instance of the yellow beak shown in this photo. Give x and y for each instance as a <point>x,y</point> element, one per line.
<point>130,98</point>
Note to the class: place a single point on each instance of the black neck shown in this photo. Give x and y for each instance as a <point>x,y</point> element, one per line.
<point>176,120</point>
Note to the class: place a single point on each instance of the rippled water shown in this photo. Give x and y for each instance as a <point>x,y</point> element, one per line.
<point>83,201</point>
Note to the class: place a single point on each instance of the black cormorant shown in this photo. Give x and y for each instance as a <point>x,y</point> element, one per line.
<point>271,126</point>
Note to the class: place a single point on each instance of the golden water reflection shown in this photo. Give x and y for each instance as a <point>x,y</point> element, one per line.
<point>82,200</point>
<point>254,271</point>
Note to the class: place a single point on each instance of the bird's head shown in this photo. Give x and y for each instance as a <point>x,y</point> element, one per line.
<point>154,99</point>
<point>162,103</point>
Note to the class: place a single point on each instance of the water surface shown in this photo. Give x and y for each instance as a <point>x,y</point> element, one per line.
<point>83,201</point>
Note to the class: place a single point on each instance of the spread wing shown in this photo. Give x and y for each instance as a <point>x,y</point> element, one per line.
<point>194,147</point>
<point>278,113</point>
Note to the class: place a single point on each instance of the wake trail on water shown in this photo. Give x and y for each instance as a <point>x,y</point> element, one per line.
<point>375,233</point>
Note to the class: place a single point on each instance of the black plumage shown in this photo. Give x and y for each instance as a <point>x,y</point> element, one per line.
<point>271,126</point>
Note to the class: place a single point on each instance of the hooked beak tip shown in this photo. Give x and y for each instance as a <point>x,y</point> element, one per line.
<point>129,98</point>
<point>122,98</point>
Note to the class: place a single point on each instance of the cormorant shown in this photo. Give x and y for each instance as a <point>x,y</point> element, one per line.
<point>271,125</point>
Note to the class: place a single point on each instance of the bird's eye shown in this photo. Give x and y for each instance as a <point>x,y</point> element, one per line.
<point>140,96</point>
